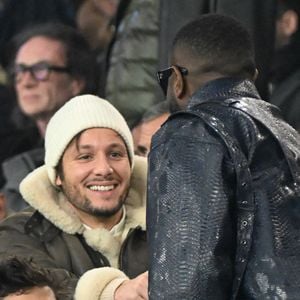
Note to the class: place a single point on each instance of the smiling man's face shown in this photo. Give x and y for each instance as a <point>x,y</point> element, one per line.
<point>95,175</point>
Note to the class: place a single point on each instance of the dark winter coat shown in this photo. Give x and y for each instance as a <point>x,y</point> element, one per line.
<point>54,237</point>
<point>223,199</point>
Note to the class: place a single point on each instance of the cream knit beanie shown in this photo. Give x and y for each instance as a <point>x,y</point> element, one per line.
<point>78,114</point>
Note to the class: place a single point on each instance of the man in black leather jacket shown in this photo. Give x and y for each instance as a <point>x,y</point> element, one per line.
<point>223,186</point>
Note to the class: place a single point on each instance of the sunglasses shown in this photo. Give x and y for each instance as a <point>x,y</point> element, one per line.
<point>39,71</point>
<point>163,76</point>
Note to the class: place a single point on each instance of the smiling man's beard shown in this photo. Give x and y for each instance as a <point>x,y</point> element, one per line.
<point>85,205</point>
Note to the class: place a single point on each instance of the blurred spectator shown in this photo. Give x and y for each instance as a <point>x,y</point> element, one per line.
<point>133,60</point>
<point>150,123</point>
<point>15,15</point>
<point>94,20</point>
<point>21,279</point>
<point>285,73</point>
<point>52,63</point>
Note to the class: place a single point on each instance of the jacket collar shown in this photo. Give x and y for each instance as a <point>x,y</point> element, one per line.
<point>38,191</point>
<point>224,88</point>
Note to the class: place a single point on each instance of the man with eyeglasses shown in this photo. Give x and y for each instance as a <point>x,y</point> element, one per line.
<point>51,63</point>
<point>223,182</point>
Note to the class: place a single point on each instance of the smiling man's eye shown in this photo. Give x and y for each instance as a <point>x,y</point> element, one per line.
<point>84,156</point>
<point>116,154</point>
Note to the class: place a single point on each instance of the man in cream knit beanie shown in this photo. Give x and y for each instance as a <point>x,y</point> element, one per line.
<point>87,216</point>
<point>81,113</point>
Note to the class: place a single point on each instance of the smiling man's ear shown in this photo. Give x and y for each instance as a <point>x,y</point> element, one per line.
<point>59,174</point>
<point>58,180</point>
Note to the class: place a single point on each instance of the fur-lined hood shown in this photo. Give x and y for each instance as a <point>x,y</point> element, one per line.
<point>38,191</point>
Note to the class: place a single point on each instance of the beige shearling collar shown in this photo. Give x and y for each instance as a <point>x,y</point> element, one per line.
<point>38,191</point>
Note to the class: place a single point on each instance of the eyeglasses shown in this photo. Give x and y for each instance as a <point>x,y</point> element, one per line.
<point>39,71</point>
<point>163,76</point>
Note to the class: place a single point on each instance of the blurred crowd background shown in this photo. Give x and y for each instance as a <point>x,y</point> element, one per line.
<point>128,42</point>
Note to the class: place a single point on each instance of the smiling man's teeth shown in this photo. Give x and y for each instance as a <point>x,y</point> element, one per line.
<point>101,187</point>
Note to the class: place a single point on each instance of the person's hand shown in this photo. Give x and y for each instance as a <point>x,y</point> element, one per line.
<point>134,289</point>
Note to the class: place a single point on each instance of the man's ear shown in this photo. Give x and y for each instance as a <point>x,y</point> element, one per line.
<point>179,84</point>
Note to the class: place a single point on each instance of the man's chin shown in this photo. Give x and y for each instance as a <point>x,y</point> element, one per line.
<point>105,212</point>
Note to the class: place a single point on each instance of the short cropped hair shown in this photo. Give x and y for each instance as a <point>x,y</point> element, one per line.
<point>21,275</point>
<point>221,43</point>
<point>79,56</point>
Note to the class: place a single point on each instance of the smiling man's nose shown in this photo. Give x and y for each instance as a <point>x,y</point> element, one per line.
<point>102,166</point>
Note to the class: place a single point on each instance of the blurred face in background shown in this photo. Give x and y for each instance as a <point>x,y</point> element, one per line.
<point>286,25</point>
<point>94,21</point>
<point>39,98</point>
<point>142,134</point>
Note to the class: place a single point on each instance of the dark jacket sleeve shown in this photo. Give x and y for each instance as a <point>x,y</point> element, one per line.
<point>190,226</point>
<point>16,242</point>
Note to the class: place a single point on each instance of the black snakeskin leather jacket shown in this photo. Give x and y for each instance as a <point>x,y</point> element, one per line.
<point>223,211</point>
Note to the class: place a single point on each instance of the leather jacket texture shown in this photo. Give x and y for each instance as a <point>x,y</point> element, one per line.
<point>223,199</point>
